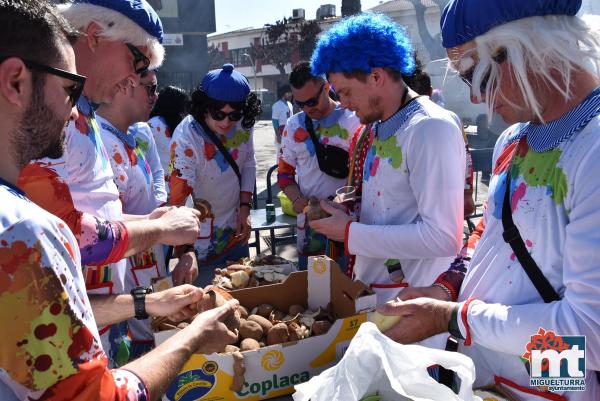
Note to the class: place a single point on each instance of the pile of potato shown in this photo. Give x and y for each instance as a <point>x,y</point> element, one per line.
<point>247,273</point>
<point>265,325</point>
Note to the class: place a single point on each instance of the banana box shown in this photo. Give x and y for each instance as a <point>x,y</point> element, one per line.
<point>274,370</point>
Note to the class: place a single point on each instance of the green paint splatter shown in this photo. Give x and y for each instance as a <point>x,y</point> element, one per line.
<point>240,137</point>
<point>389,149</point>
<point>334,130</point>
<point>540,169</point>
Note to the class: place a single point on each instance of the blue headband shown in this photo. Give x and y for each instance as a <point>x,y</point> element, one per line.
<point>138,11</point>
<point>464,20</point>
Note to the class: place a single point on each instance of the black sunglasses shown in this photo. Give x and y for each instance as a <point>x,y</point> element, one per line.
<point>313,101</point>
<point>151,89</point>
<point>140,61</point>
<point>219,115</point>
<point>73,91</point>
<point>467,76</point>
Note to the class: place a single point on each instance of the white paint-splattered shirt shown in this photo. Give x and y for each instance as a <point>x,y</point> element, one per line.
<point>411,218</point>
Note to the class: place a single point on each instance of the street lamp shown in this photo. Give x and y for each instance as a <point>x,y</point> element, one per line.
<point>253,67</point>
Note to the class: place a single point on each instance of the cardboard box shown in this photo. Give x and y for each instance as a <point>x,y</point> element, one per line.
<point>273,371</point>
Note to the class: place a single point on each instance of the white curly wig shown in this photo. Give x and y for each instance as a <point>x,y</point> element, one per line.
<point>115,26</point>
<point>539,45</point>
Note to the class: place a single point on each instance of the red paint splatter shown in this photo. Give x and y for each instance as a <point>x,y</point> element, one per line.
<point>188,152</point>
<point>82,342</point>
<point>70,250</point>
<point>325,141</point>
<point>168,132</point>
<point>44,331</point>
<point>528,243</point>
<point>55,309</point>
<point>118,158</point>
<point>81,124</point>
<point>518,195</point>
<point>122,178</point>
<point>42,363</point>
<point>235,153</point>
<point>210,150</point>
<point>4,243</point>
<point>513,257</point>
<point>300,135</point>
<point>12,258</point>
<point>374,166</point>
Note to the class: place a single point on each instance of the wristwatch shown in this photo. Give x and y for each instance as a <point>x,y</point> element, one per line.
<point>139,301</point>
<point>453,328</point>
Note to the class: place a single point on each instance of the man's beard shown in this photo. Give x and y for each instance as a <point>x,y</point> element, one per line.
<point>374,113</point>
<point>40,133</point>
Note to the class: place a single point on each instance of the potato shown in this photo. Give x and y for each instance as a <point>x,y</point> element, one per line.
<point>296,331</point>
<point>183,325</point>
<point>320,327</point>
<point>265,310</point>
<point>295,309</point>
<point>313,210</point>
<point>277,315</point>
<point>249,344</point>
<point>240,279</point>
<point>278,334</point>
<point>265,324</point>
<point>251,329</point>
<point>243,312</point>
<point>384,322</point>
<point>231,348</point>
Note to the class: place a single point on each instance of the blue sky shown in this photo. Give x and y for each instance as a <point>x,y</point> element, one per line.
<point>236,14</point>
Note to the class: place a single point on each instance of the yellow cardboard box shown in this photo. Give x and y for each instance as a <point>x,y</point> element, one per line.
<point>273,371</point>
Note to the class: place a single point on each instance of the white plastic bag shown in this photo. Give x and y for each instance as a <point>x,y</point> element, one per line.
<point>374,363</point>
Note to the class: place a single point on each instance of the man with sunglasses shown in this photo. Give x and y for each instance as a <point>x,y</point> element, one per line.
<point>118,39</point>
<point>50,346</point>
<point>140,180</point>
<point>532,267</point>
<point>299,174</point>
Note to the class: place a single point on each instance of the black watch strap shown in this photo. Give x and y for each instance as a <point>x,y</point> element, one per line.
<point>453,328</point>
<point>246,204</point>
<point>139,301</point>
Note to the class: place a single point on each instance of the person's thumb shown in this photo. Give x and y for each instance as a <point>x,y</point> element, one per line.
<point>225,310</point>
<point>395,308</point>
<point>329,208</point>
<point>192,295</point>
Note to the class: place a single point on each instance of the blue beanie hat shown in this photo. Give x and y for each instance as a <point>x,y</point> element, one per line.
<point>464,20</point>
<point>361,43</point>
<point>226,85</point>
<point>139,11</point>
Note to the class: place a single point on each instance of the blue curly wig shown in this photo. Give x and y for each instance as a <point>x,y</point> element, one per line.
<point>361,43</point>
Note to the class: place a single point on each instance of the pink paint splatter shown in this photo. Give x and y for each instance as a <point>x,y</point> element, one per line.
<point>325,141</point>
<point>513,257</point>
<point>518,195</point>
<point>528,243</point>
<point>235,153</point>
<point>374,166</point>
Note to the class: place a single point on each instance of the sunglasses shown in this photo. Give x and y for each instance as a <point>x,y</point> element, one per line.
<point>140,61</point>
<point>313,101</point>
<point>151,89</point>
<point>467,76</point>
<point>219,115</point>
<point>74,91</point>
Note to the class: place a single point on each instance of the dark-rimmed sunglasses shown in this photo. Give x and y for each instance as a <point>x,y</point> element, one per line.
<point>467,76</point>
<point>73,91</point>
<point>151,89</point>
<point>219,115</point>
<point>313,101</point>
<point>140,61</point>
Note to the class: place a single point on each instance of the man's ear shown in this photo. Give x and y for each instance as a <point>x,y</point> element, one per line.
<point>15,82</point>
<point>378,76</point>
<point>92,36</point>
